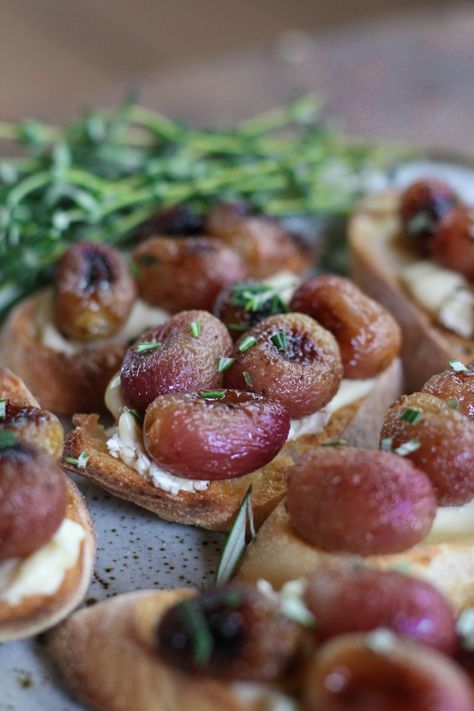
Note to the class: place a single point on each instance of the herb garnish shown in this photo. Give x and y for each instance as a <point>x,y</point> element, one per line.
<point>135,414</point>
<point>236,540</point>
<point>459,367</point>
<point>195,328</point>
<point>196,625</point>
<point>80,462</point>
<point>407,447</point>
<point>280,340</point>
<point>247,343</point>
<point>212,394</point>
<point>255,297</point>
<point>411,415</point>
<point>237,327</point>
<point>145,346</point>
<point>3,409</point>
<point>248,378</point>
<point>224,364</point>
<point>334,443</point>
<point>453,403</point>
<point>8,438</point>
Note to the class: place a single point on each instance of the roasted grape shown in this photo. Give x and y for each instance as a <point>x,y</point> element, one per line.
<point>94,292</point>
<point>177,220</point>
<point>457,389</point>
<point>350,597</point>
<point>288,358</point>
<point>359,501</point>
<point>33,425</point>
<point>380,672</point>
<point>442,443</point>
<point>453,244</point>
<point>264,245</point>
<point>368,336</point>
<point>32,499</point>
<point>423,205</point>
<point>177,273</point>
<point>233,632</point>
<point>214,435</point>
<point>179,356</point>
<point>244,304</point>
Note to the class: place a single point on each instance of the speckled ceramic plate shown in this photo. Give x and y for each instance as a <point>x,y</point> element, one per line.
<point>136,550</point>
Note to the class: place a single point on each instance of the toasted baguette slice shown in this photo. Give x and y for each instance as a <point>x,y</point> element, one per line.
<point>14,389</point>
<point>358,423</point>
<point>378,255</point>
<point>64,383</point>
<point>36,613</point>
<point>278,555</point>
<point>107,657</point>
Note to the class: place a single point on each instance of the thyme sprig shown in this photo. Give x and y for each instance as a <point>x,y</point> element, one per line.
<point>102,176</point>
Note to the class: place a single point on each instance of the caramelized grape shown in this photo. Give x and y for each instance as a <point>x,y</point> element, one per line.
<point>264,245</point>
<point>233,632</point>
<point>380,672</point>
<point>290,359</point>
<point>453,244</point>
<point>368,336</point>
<point>178,220</point>
<point>171,358</point>
<point>359,501</point>
<point>33,425</point>
<point>32,499</point>
<point>457,389</point>
<point>350,597</point>
<point>177,273</point>
<point>94,292</point>
<point>216,435</point>
<point>244,304</point>
<point>423,204</point>
<point>444,441</point>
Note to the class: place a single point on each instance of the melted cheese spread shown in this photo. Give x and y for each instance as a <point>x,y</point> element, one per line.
<point>444,293</point>
<point>42,572</point>
<point>452,522</point>
<point>142,316</point>
<point>263,697</point>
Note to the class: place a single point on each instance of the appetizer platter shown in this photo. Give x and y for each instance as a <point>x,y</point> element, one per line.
<point>192,395</point>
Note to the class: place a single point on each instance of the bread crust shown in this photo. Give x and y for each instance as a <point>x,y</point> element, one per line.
<point>215,508</point>
<point>106,657</point>
<point>278,555</point>
<point>40,612</point>
<point>63,383</point>
<point>377,255</point>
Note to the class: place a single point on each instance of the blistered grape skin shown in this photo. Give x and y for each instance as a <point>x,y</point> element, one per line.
<point>367,502</point>
<point>350,597</point>
<point>182,363</point>
<point>237,318</point>
<point>200,438</point>
<point>368,336</point>
<point>32,499</point>
<point>178,220</point>
<point>303,378</point>
<point>457,389</point>
<point>446,444</point>
<point>35,426</point>
<point>380,671</point>
<point>264,245</point>
<point>250,640</point>
<point>453,244</point>
<point>94,292</point>
<point>425,202</point>
<point>178,273</point>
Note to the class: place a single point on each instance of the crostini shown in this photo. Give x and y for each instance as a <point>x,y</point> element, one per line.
<point>413,252</point>
<point>242,647</point>
<point>47,540</point>
<point>409,507</point>
<point>200,419</point>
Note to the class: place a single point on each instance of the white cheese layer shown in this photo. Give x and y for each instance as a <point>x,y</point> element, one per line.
<point>444,293</point>
<point>42,572</point>
<point>452,522</point>
<point>262,697</point>
<point>142,316</point>
<point>349,391</point>
<point>126,444</point>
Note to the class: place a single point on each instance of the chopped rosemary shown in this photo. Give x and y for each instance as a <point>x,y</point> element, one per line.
<point>236,539</point>
<point>247,343</point>
<point>224,364</point>
<point>334,443</point>
<point>212,394</point>
<point>411,415</point>
<point>407,447</point>
<point>145,346</point>
<point>459,367</point>
<point>237,327</point>
<point>136,415</point>
<point>280,340</point>
<point>196,625</point>
<point>8,438</point>
<point>453,403</point>
<point>248,378</point>
<point>195,328</point>
<point>3,409</point>
<point>256,297</point>
<point>80,462</point>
